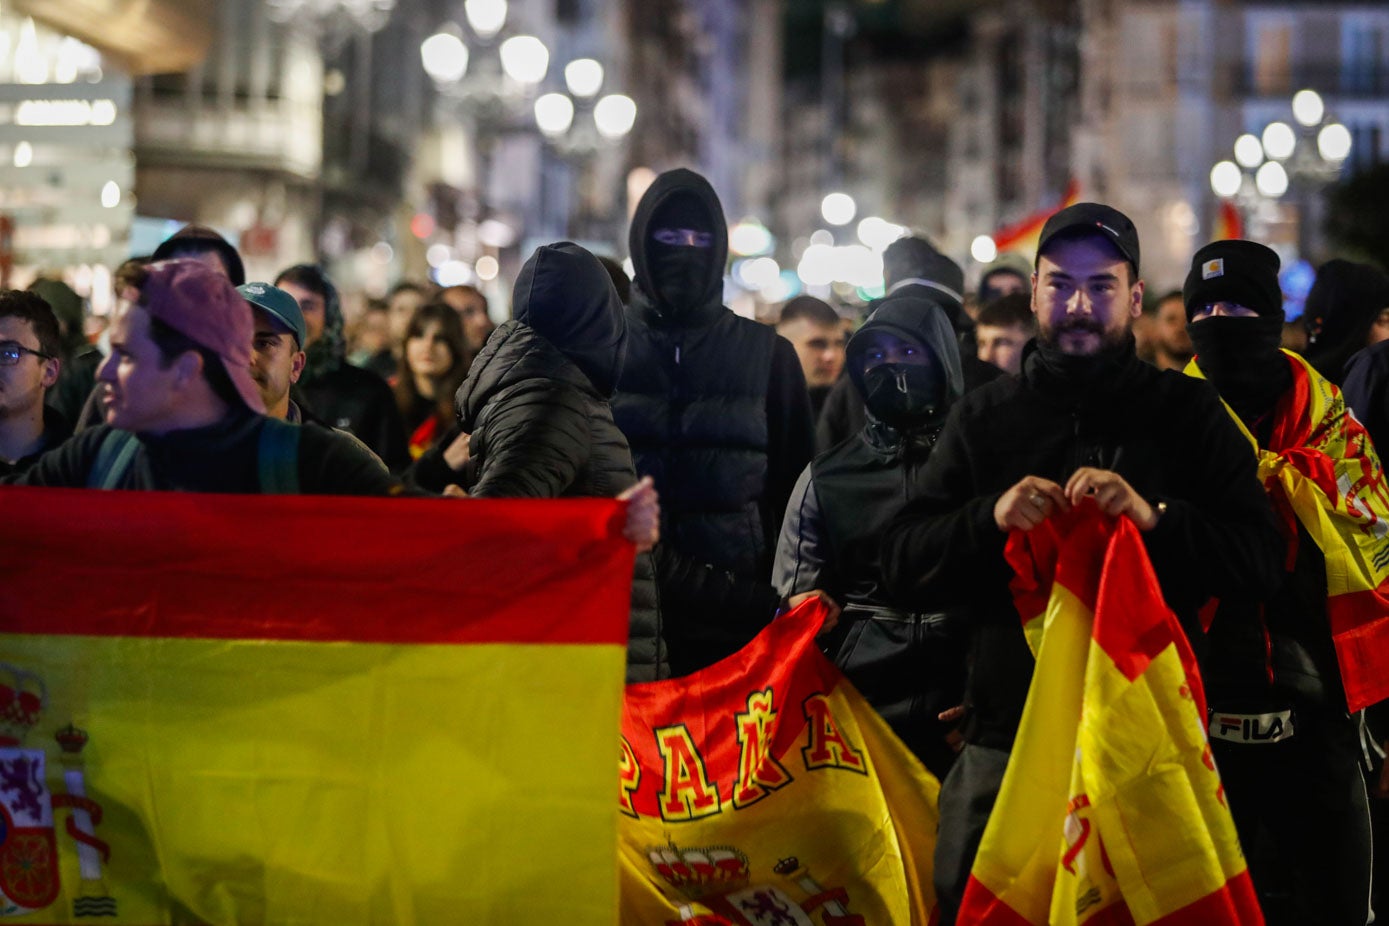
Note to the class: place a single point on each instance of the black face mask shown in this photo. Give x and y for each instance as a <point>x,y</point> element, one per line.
<point>679,273</point>
<point>903,395</point>
<point>1241,359</point>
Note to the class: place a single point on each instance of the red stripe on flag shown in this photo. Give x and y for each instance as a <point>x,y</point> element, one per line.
<point>981,907</point>
<point>1361,636</point>
<point>1234,902</point>
<point>1139,626</point>
<point>215,566</point>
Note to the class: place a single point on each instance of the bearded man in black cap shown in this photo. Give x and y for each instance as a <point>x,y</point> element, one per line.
<point>1288,749</point>
<point>1084,418</point>
<point>716,411</point>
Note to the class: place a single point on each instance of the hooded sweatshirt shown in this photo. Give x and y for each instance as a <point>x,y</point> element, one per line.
<point>716,410</point>
<point>910,666</point>
<point>535,405</point>
<point>833,526</point>
<point>1341,307</point>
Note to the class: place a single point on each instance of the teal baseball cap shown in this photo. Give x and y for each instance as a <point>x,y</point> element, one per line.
<point>279,305</point>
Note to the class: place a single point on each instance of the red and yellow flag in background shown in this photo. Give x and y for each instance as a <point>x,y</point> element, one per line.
<point>1322,469</point>
<point>1022,236</point>
<point>245,709</point>
<point>764,789</point>
<point>1111,810</point>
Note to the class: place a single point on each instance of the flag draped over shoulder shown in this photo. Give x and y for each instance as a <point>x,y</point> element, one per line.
<point>764,790</point>
<point>1111,810</point>
<point>246,709</point>
<point>1328,475</point>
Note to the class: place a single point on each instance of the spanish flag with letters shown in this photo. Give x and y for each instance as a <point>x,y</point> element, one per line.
<point>1111,810</point>
<point>270,709</point>
<point>1321,469</point>
<point>765,790</point>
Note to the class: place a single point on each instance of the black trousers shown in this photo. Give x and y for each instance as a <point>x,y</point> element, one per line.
<point>1303,817</point>
<point>967,798</point>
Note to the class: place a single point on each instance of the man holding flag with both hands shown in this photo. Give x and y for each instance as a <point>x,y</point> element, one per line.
<point>1084,420</point>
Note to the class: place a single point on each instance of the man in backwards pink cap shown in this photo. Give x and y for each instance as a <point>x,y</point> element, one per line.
<point>182,411</point>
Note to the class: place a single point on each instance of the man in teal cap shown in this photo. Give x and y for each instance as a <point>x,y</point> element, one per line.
<point>277,352</point>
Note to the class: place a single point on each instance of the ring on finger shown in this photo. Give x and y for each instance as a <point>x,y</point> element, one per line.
<point>1037,499</point>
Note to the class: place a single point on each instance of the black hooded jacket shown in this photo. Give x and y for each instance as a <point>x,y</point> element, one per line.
<point>535,403</point>
<point>910,666</point>
<point>843,414</point>
<point>1342,305</point>
<point>1166,434</point>
<point>716,411</point>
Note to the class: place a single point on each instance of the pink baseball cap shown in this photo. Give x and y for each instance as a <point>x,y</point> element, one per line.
<point>203,306</point>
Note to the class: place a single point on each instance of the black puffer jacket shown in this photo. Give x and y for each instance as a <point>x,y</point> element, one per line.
<point>716,410</point>
<point>535,403</point>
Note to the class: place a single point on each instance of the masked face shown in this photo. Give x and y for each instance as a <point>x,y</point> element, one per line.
<point>903,383</point>
<point>680,250</point>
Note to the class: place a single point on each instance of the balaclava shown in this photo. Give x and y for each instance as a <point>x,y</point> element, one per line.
<point>906,395</point>
<point>680,252</point>
<point>1240,356</point>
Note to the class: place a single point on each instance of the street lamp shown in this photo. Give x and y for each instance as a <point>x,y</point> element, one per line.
<point>491,77</point>
<point>577,125</point>
<point>1281,157</point>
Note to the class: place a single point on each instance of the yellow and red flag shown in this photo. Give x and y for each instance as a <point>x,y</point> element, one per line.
<point>1111,810</point>
<point>1228,222</point>
<point>1321,468</point>
<point>764,790</point>
<point>1022,236</point>
<point>244,709</point>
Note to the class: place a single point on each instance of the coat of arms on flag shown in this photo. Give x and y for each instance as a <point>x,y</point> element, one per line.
<point>765,790</point>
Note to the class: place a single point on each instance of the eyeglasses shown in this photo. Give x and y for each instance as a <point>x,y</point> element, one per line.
<point>11,351</point>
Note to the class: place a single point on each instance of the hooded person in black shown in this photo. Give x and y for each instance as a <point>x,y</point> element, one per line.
<point>911,267</point>
<point>536,406</point>
<point>716,410</point>
<point>1085,419</point>
<point>905,363</point>
<point>1288,751</point>
<point>1345,313</point>
<point>1347,327</point>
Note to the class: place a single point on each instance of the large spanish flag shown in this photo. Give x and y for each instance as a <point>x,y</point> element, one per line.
<point>244,709</point>
<point>1111,810</point>
<point>764,789</point>
<point>1321,469</point>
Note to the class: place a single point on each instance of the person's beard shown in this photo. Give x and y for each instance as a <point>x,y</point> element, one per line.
<point>1064,334</point>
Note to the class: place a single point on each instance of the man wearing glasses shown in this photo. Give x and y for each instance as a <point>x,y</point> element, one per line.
<point>30,346</point>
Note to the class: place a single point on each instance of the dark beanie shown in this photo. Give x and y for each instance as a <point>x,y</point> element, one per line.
<point>1242,272</point>
<point>1341,307</point>
<point>917,259</point>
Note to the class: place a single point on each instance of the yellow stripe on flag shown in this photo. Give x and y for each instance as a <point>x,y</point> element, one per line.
<point>1111,810</point>
<point>309,710</point>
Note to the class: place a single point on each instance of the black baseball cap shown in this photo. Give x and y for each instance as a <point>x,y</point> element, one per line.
<point>1095,219</point>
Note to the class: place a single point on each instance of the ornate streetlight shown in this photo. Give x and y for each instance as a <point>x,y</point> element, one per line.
<point>1282,158</point>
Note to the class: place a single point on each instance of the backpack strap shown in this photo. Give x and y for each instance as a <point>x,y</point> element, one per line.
<point>279,458</point>
<point>112,459</point>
